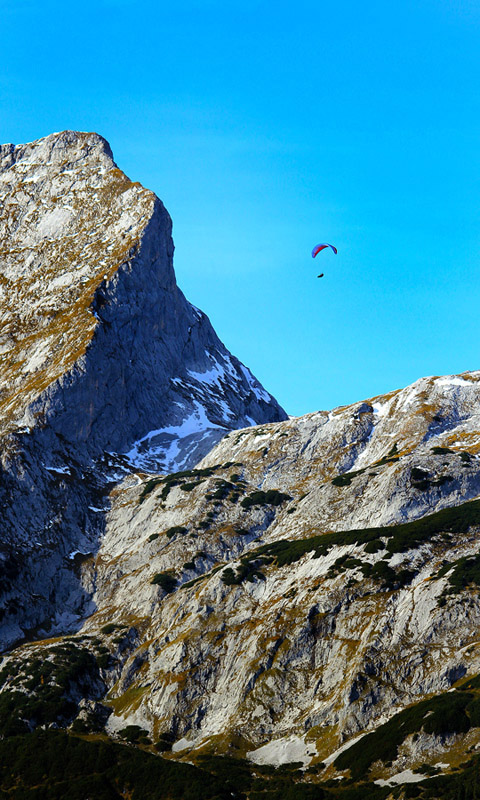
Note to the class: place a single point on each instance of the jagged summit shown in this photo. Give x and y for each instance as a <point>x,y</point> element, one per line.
<point>52,148</point>
<point>69,218</point>
<point>90,302</point>
<point>105,367</point>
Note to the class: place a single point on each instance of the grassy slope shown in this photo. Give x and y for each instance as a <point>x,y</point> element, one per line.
<point>51,765</point>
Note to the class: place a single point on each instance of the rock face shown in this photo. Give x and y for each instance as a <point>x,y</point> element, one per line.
<point>105,367</point>
<point>260,622</point>
<point>272,591</point>
<point>98,343</point>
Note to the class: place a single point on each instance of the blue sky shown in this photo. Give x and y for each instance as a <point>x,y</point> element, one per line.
<point>266,128</point>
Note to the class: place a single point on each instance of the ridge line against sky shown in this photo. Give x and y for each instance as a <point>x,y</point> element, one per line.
<point>264,133</point>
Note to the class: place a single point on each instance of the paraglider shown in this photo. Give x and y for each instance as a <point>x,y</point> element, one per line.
<point>319,247</point>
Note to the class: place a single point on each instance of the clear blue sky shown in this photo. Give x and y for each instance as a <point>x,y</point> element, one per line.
<point>266,128</point>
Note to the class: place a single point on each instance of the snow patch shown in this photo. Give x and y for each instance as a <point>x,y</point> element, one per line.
<point>167,445</point>
<point>283,751</point>
<point>407,776</point>
<point>196,311</point>
<point>451,380</point>
<point>59,470</point>
<point>257,390</point>
<point>213,375</point>
<point>227,413</point>
<point>380,409</point>
<point>182,744</point>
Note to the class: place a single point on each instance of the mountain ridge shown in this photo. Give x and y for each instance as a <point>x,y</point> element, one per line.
<point>185,568</point>
<point>106,368</point>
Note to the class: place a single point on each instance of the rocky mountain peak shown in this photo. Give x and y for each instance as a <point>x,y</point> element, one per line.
<point>89,300</point>
<point>105,368</point>
<point>69,218</point>
<point>61,148</point>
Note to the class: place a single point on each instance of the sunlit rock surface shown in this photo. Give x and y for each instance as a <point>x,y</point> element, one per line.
<point>319,646</point>
<point>105,367</point>
<point>226,578</point>
<point>97,340</point>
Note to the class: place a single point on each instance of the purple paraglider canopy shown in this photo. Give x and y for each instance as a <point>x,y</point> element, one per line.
<point>319,247</point>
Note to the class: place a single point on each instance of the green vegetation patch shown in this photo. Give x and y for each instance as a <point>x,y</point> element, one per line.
<point>441,715</point>
<point>465,572</point>
<point>400,538</point>
<point>223,490</point>
<point>471,683</point>
<point>342,564</point>
<point>166,581</point>
<point>380,572</point>
<point>174,530</point>
<point>41,691</point>
<point>149,487</point>
<point>51,765</point>
<point>421,479</point>
<point>388,577</point>
<point>272,497</point>
<point>374,546</point>
<point>164,742</point>
<point>177,479</point>
<point>111,627</point>
<point>228,490</point>
<point>247,571</point>
<point>346,478</point>
<point>134,734</point>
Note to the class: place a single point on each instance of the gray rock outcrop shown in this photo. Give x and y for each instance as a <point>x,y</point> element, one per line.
<point>259,637</point>
<point>105,367</point>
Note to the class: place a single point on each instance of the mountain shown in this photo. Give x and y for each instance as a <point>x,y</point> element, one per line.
<point>285,610</point>
<point>98,343</point>
<point>105,367</point>
<point>296,587</point>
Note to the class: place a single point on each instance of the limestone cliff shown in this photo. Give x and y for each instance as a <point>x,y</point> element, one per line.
<point>309,582</point>
<point>291,585</point>
<point>105,367</point>
<point>212,576</point>
<point>97,341</point>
